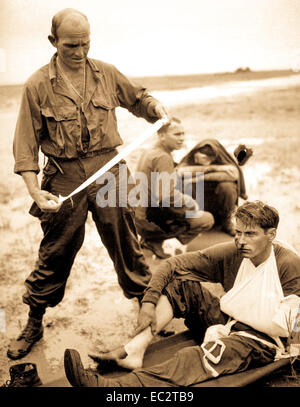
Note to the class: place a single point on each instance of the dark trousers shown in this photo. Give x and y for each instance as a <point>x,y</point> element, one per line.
<point>64,234</point>
<point>220,199</point>
<point>189,366</point>
<point>184,230</point>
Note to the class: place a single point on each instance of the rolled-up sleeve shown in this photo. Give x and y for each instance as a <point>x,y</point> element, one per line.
<point>135,98</point>
<point>26,145</point>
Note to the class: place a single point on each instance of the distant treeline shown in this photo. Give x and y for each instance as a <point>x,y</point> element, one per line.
<point>10,94</point>
<point>176,82</point>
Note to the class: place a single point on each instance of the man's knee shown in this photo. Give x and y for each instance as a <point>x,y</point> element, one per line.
<point>203,221</point>
<point>227,196</point>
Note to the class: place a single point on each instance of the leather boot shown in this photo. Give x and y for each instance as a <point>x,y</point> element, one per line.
<point>32,333</point>
<point>75,372</point>
<point>23,375</point>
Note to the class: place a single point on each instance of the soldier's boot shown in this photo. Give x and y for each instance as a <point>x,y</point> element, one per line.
<point>23,375</point>
<point>32,333</point>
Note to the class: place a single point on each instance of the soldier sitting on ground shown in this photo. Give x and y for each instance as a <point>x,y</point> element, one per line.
<point>252,324</point>
<point>168,219</point>
<point>223,180</point>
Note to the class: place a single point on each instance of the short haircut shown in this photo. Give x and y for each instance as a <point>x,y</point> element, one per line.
<point>59,17</point>
<point>257,213</point>
<point>165,128</point>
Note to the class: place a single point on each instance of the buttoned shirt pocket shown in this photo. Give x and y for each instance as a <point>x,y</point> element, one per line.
<point>104,104</point>
<point>62,122</point>
<point>103,130</point>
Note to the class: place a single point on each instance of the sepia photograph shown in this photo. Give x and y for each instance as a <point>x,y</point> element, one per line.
<point>150,196</point>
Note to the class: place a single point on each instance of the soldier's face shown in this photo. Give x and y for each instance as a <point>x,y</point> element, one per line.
<point>173,139</point>
<point>253,241</point>
<point>202,159</point>
<point>73,44</point>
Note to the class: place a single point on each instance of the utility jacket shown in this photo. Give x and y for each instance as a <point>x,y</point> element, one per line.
<point>50,118</point>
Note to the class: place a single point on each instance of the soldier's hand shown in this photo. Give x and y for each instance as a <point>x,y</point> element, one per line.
<point>190,203</point>
<point>160,111</point>
<point>147,317</point>
<point>46,201</point>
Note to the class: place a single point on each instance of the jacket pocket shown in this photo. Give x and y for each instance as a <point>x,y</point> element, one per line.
<point>59,113</point>
<point>105,102</point>
<point>103,122</point>
<point>60,122</point>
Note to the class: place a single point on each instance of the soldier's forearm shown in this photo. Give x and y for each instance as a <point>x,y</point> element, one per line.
<point>31,180</point>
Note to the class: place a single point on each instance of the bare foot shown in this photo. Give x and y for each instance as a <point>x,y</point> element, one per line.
<point>113,355</point>
<point>120,357</point>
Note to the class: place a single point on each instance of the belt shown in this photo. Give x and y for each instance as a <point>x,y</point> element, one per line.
<point>82,155</point>
<point>90,154</point>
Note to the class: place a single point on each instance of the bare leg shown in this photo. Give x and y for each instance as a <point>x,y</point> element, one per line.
<point>137,346</point>
<point>131,355</point>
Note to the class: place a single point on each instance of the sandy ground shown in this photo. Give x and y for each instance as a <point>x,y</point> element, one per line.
<point>94,315</point>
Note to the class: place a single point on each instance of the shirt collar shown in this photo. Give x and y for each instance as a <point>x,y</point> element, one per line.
<point>53,70</point>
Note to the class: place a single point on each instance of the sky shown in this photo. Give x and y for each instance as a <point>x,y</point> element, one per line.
<point>157,37</point>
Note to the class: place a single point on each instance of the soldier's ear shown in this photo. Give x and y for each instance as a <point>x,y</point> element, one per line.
<point>52,40</point>
<point>271,232</point>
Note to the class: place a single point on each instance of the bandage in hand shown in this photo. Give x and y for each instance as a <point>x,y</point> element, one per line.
<point>215,332</point>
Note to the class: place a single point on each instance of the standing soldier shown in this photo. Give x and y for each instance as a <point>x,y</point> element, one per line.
<point>68,110</point>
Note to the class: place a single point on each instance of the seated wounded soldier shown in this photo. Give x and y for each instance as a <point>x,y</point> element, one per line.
<point>250,326</point>
<point>223,180</point>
